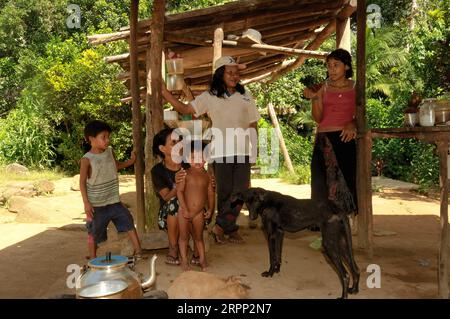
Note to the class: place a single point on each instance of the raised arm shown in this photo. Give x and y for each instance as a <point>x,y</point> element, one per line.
<point>177,105</point>
<point>120,165</point>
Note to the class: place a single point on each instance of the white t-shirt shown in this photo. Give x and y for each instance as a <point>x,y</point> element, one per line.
<point>231,117</point>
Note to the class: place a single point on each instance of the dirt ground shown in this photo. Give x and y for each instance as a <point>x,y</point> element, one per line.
<point>34,257</point>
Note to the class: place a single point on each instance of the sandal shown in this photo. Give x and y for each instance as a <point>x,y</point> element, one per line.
<point>171,260</point>
<point>195,260</point>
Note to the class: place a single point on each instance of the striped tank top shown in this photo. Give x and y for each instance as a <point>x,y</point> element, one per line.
<point>103,184</point>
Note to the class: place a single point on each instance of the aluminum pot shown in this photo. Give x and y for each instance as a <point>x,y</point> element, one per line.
<point>442,111</point>
<point>113,277</point>
<point>175,82</point>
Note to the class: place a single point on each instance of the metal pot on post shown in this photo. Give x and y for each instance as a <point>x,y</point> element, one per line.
<point>113,277</point>
<point>175,71</point>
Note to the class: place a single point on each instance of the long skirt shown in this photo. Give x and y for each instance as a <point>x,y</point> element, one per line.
<point>333,171</point>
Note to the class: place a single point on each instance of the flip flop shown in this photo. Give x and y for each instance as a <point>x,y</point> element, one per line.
<point>195,260</point>
<point>170,260</point>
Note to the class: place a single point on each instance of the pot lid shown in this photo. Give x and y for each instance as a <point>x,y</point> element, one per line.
<point>108,261</point>
<point>103,289</point>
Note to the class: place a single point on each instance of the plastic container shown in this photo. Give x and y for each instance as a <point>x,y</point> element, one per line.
<point>175,82</point>
<point>174,66</point>
<point>427,113</point>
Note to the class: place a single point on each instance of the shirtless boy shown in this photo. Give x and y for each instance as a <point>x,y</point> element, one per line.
<point>193,194</point>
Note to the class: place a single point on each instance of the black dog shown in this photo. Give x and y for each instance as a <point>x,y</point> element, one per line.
<point>280,213</point>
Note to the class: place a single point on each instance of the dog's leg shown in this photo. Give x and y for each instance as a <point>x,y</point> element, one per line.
<point>278,248</point>
<point>331,249</point>
<point>271,241</point>
<point>347,253</point>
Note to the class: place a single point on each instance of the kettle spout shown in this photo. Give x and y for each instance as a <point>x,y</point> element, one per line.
<point>152,278</point>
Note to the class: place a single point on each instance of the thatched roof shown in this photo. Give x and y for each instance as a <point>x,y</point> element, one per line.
<point>291,32</point>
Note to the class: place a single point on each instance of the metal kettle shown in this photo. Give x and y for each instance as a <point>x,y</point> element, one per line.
<point>113,277</point>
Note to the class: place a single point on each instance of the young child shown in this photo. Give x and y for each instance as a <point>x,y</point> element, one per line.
<point>99,186</point>
<point>164,181</point>
<point>193,193</point>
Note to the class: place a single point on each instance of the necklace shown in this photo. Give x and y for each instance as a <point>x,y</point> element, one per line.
<point>338,86</point>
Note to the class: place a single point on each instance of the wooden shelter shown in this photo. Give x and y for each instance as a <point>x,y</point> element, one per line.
<point>292,31</point>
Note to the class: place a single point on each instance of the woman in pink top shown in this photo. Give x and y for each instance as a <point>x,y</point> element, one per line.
<point>333,165</point>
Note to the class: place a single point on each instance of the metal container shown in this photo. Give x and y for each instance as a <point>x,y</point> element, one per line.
<point>175,82</point>
<point>113,277</point>
<point>410,119</point>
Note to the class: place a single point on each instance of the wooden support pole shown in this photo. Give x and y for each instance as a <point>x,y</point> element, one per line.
<point>154,106</point>
<point>343,34</point>
<point>443,247</point>
<point>217,45</point>
<point>363,169</point>
<point>137,121</point>
<point>287,158</point>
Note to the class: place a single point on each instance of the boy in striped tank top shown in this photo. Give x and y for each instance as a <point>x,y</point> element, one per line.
<point>99,186</point>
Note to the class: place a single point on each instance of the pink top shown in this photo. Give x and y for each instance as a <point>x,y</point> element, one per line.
<point>338,107</point>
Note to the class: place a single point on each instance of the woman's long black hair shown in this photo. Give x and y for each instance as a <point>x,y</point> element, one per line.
<point>345,57</point>
<point>217,86</point>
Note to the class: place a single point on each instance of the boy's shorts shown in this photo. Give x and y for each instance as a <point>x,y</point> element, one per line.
<point>117,213</point>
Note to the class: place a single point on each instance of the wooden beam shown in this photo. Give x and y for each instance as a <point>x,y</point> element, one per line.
<point>343,34</point>
<point>287,158</point>
<point>186,39</point>
<point>363,167</point>
<point>443,247</point>
<point>137,120</point>
<point>154,105</point>
<point>276,49</point>
<point>217,45</point>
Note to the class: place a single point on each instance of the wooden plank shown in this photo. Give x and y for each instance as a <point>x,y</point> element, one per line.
<point>154,106</point>
<point>217,46</point>
<point>137,121</point>
<point>287,158</point>
<point>443,247</point>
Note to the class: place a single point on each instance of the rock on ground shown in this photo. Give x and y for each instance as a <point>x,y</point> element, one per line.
<point>16,169</point>
<point>203,285</point>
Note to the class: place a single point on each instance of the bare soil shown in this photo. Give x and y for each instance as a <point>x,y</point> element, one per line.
<point>34,257</point>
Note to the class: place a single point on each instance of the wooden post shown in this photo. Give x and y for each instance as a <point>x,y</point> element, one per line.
<point>287,158</point>
<point>218,38</point>
<point>443,248</point>
<point>154,106</point>
<point>137,120</point>
<point>363,173</point>
<point>343,34</point>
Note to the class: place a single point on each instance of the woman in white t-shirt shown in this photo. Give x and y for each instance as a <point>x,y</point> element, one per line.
<point>234,117</point>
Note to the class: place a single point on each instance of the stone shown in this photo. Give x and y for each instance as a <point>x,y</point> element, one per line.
<point>16,168</point>
<point>25,189</point>
<point>75,183</point>
<point>44,187</point>
<point>16,203</point>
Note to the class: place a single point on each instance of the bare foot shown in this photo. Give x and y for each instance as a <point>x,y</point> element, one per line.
<point>204,266</point>
<point>185,266</point>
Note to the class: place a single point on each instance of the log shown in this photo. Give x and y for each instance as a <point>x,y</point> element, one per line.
<point>192,40</point>
<point>343,34</point>
<point>97,39</point>
<point>137,120</point>
<point>443,247</point>
<point>287,158</point>
<point>364,145</point>
<point>154,106</point>
<point>277,49</point>
<point>294,28</point>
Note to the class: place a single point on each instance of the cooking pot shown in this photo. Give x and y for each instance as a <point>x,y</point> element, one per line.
<point>113,277</point>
